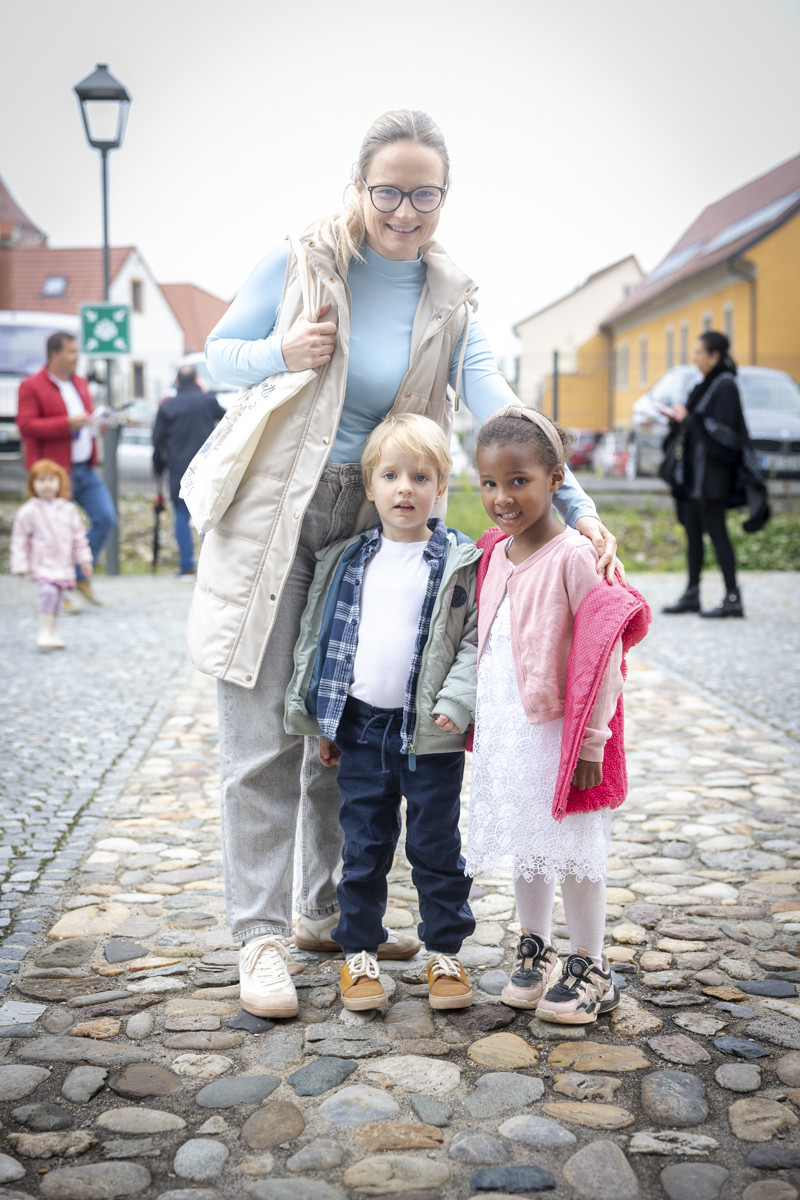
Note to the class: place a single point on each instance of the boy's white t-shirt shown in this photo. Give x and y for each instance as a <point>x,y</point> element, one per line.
<point>392,593</point>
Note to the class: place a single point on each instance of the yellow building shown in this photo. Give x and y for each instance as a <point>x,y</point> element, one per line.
<point>736,269</point>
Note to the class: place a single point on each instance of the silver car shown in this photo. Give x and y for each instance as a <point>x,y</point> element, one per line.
<point>771,404</point>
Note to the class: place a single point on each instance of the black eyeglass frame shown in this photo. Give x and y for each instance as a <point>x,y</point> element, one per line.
<point>422,188</point>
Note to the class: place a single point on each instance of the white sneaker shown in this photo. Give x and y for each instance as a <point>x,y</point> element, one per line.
<point>266,985</point>
<point>314,933</point>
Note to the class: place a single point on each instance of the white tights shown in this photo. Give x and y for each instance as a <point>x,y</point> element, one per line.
<point>584,909</point>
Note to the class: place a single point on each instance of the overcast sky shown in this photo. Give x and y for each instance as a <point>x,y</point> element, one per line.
<point>579,131</point>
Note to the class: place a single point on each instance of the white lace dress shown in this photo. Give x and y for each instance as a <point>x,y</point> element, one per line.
<point>514,772</point>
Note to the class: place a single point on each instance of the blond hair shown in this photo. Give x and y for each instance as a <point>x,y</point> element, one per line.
<point>344,232</point>
<point>417,436</point>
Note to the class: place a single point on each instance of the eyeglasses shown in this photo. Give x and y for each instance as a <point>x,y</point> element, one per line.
<point>423,199</point>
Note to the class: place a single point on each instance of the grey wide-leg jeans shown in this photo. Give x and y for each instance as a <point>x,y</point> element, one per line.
<point>269,777</point>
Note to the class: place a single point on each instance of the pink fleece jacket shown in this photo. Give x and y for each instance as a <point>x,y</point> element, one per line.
<point>569,632</point>
<point>47,539</point>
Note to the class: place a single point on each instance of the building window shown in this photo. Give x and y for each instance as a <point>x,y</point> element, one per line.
<point>727,319</point>
<point>138,380</point>
<point>621,367</point>
<point>669,357</point>
<point>708,321</point>
<point>684,351</point>
<point>643,375</point>
<point>137,295</point>
<point>54,285</point>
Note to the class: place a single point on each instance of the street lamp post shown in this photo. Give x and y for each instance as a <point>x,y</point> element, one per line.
<point>104,104</point>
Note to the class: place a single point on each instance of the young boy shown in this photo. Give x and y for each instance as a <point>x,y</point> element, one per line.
<point>385,671</point>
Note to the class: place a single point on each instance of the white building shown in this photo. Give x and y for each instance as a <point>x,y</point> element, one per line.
<point>567,324</point>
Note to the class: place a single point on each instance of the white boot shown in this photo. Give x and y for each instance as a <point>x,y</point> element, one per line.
<point>48,638</point>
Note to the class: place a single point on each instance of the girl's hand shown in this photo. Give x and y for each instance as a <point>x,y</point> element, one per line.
<point>309,343</point>
<point>587,774</point>
<point>87,569</point>
<point>605,544</point>
<point>329,752</point>
<point>445,723</point>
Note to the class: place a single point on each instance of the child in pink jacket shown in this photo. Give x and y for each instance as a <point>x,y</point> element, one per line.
<point>548,762</point>
<point>47,539</point>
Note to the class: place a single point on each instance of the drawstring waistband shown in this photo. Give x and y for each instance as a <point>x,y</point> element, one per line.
<point>389,716</point>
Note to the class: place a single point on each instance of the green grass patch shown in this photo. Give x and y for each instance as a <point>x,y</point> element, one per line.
<point>651,539</point>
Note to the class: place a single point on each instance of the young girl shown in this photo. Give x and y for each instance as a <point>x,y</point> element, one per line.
<point>547,769</point>
<point>47,539</point>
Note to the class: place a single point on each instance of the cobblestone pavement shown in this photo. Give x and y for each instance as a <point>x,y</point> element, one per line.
<point>125,1069</point>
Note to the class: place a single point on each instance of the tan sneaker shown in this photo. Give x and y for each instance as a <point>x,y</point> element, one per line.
<point>266,985</point>
<point>447,984</point>
<point>311,933</point>
<point>584,992</point>
<point>361,983</point>
<point>86,590</point>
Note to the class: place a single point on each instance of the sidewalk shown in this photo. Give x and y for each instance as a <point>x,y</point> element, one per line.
<point>121,1076</point>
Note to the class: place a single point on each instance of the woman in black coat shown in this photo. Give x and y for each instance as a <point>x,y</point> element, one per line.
<point>722,472</point>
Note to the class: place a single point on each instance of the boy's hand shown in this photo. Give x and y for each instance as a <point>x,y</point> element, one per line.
<point>329,752</point>
<point>587,775</point>
<point>445,723</point>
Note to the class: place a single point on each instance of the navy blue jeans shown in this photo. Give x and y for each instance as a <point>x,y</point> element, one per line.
<point>183,535</point>
<point>373,777</point>
<point>94,498</point>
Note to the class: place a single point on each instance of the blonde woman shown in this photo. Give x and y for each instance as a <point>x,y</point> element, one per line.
<point>394,333</point>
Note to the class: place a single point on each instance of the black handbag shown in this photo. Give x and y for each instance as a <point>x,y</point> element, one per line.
<point>674,469</point>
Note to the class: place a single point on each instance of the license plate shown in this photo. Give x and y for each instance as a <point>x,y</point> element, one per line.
<point>779,462</point>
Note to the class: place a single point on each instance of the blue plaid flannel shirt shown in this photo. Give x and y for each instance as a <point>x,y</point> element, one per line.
<point>337,670</point>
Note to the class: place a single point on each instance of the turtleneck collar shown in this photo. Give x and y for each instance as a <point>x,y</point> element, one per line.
<point>390,267</point>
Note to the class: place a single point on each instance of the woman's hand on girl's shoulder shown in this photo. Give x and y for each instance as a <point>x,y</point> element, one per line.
<point>605,544</point>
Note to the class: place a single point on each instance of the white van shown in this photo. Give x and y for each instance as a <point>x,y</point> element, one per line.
<point>23,336</point>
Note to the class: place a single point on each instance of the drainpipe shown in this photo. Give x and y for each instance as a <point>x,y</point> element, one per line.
<point>744,269</point>
<point>608,334</point>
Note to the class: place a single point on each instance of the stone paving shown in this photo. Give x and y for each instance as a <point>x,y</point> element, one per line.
<point>126,1068</point>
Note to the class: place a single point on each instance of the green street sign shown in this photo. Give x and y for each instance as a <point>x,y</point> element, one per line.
<point>105,329</point>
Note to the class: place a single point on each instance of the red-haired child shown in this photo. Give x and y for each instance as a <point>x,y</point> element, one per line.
<point>47,539</point>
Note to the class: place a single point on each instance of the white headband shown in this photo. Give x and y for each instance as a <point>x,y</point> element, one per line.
<point>536,418</point>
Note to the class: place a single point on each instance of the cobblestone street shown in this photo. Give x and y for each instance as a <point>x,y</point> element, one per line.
<point>126,1068</point>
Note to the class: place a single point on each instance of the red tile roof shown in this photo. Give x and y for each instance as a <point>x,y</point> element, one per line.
<point>197,311</point>
<point>16,227</point>
<point>721,232</point>
<point>81,267</point>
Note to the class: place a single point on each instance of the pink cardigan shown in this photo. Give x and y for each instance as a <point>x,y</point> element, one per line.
<point>47,539</point>
<point>574,619</point>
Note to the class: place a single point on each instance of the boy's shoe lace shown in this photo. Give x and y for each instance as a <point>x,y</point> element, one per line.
<point>447,983</point>
<point>266,986</point>
<point>361,982</point>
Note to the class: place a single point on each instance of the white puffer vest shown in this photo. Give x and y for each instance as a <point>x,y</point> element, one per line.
<point>246,558</point>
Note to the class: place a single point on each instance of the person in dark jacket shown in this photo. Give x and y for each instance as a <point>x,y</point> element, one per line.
<point>722,472</point>
<point>183,423</point>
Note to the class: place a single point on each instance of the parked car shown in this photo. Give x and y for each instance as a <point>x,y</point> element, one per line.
<point>612,455</point>
<point>582,448</point>
<point>771,404</point>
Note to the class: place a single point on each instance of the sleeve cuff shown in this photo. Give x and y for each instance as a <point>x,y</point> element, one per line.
<point>456,712</point>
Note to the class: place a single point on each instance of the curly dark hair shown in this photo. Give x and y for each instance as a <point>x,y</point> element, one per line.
<point>502,430</point>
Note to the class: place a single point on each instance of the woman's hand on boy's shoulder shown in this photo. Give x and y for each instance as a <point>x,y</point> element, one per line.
<point>587,774</point>
<point>329,752</point>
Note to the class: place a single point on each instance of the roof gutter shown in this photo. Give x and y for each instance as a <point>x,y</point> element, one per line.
<point>743,268</point>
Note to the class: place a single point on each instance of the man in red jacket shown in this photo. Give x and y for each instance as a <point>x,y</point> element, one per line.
<point>53,417</point>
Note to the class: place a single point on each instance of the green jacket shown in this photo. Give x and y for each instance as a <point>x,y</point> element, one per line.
<point>448,672</point>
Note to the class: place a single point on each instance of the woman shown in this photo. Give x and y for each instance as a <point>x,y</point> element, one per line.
<point>392,298</point>
<point>718,454</point>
